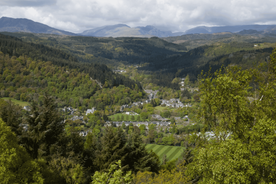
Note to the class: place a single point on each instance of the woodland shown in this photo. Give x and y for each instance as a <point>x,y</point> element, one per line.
<point>232,138</point>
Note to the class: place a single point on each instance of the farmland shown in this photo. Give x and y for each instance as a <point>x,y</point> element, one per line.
<point>171,152</point>
<point>18,102</point>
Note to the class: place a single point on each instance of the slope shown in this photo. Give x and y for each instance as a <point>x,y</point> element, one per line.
<point>16,47</point>
<point>26,25</point>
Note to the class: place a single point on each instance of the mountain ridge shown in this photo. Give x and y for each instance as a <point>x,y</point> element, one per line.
<point>122,30</point>
<point>231,29</point>
<point>26,25</point>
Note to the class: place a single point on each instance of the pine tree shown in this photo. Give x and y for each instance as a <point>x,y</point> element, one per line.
<point>44,128</point>
<point>114,148</point>
<point>11,114</point>
<point>139,159</point>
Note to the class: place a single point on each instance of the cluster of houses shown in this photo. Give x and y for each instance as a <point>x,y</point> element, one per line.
<point>138,123</point>
<point>182,84</point>
<point>69,110</point>
<point>90,111</point>
<point>151,94</point>
<point>119,71</point>
<point>176,103</point>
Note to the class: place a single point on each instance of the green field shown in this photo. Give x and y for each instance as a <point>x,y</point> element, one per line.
<point>160,108</point>
<point>171,152</point>
<point>126,117</point>
<point>18,102</point>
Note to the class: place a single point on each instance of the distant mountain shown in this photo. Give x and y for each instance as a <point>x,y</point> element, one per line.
<point>26,25</point>
<point>111,31</point>
<point>232,29</point>
<point>123,30</point>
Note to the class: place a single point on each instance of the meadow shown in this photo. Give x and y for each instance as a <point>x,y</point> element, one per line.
<point>171,152</point>
<point>18,102</point>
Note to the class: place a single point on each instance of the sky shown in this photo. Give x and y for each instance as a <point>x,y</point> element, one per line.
<point>174,15</point>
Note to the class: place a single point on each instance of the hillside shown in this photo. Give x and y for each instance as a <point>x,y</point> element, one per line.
<point>29,26</point>
<point>231,29</point>
<point>123,30</point>
<point>160,59</point>
<point>30,70</point>
<point>16,47</point>
<point>191,41</point>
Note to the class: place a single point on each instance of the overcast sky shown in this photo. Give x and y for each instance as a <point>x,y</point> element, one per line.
<point>178,15</point>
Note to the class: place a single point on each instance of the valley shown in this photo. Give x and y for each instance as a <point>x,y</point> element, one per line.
<point>150,97</point>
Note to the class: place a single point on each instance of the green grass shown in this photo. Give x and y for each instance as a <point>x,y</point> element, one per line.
<point>18,102</point>
<point>125,117</point>
<point>160,108</point>
<point>171,152</point>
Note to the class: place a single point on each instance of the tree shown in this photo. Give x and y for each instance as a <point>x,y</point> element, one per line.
<point>144,115</point>
<point>113,148</point>
<point>127,118</point>
<point>142,129</point>
<point>67,169</point>
<point>123,125</point>
<point>174,176</point>
<point>45,128</point>
<point>115,175</point>
<point>187,80</point>
<point>243,148</point>
<point>16,166</point>
<point>139,159</point>
<point>11,114</point>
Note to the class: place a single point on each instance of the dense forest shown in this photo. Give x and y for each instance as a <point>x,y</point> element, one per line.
<point>16,47</point>
<point>23,79</point>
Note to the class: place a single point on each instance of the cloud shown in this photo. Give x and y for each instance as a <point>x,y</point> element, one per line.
<point>27,3</point>
<point>178,15</point>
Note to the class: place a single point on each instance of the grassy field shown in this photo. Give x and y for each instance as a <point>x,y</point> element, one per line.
<point>18,102</point>
<point>160,108</point>
<point>171,152</point>
<point>125,117</point>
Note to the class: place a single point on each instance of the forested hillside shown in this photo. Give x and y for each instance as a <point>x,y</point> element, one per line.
<point>22,78</point>
<point>16,47</point>
<point>30,70</point>
<point>161,60</point>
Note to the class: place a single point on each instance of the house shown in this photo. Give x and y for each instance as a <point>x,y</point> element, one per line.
<point>90,111</point>
<point>83,133</point>
<point>74,118</point>
<point>27,108</point>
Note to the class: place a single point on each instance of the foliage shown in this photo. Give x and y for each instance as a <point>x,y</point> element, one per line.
<point>16,166</point>
<point>175,176</point>
<point>12,115</point>
<point>114,175</point>
<point>100,72</point>
<point>139,159</point>
<point>44,128</point>
<point>24,78</point>
<point>243,147</point>
<point>113,148</point>
<point>67,169</point>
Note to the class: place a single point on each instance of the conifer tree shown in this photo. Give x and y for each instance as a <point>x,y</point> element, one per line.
<point>45,128</point>
<point>114,148</point>
<point>139,159</point>
<point>11,114</point>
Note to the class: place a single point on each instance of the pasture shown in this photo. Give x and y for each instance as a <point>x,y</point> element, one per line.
<point>18,102</point>
<point>171,152</point>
